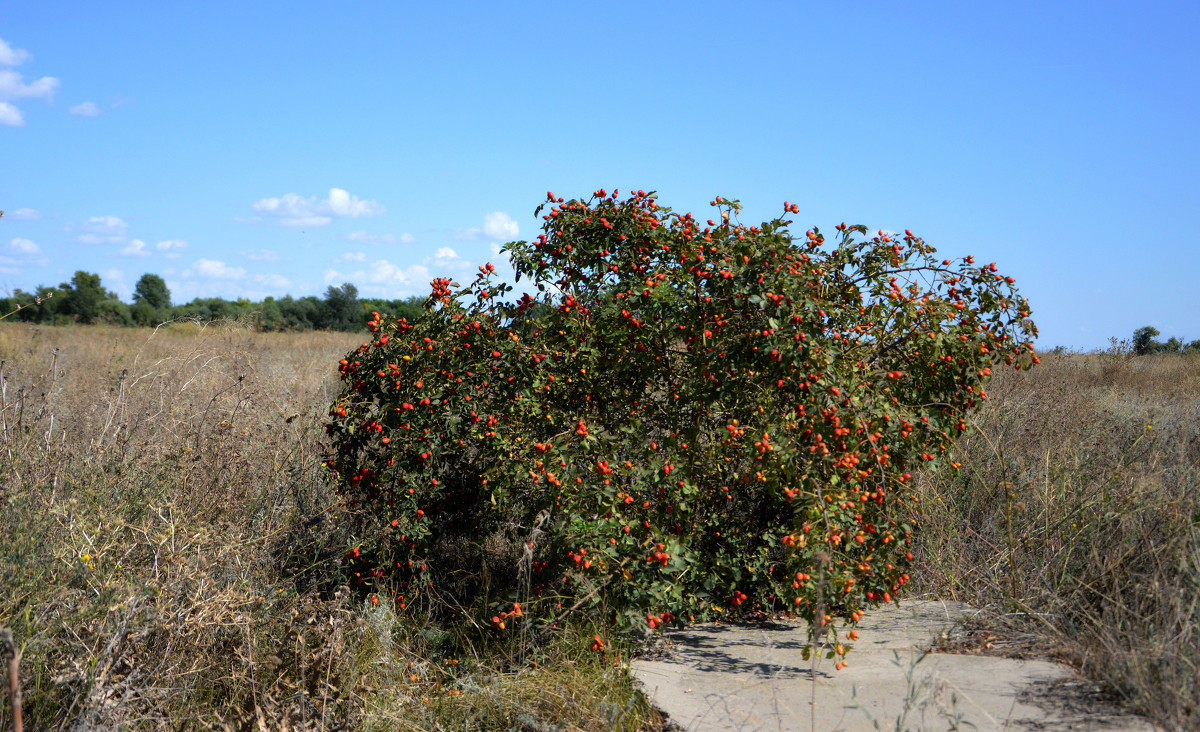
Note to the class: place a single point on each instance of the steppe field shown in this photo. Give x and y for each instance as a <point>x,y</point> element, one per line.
<point>170,549</point>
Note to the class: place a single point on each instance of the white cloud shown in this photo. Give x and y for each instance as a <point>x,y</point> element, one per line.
<point>352,257</point>
<point>10,56</point>
<point>260,255</point>
<point>136,248</point>
<point>214,269</point>
<point>386,278</point>
<point>173,248</point>
<point>86,109</point>
<point>103,230</point>
<point>273,280</point>
<point>27,253</point>
<point>499,225</point>
<point>305,221</point>
<point>25,214</point>
<point>10,115</point>
<point>13,86</point>
<point>289,204</point>
<point>25,246</point>
<point>365,238</point>
<point>114,279</point>
<point>341,203</point>
<point>496,225</point>
<point>296,210</point>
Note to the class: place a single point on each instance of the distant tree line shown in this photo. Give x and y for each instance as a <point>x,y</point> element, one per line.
<point>84,300</point>
<point>1144,343</point>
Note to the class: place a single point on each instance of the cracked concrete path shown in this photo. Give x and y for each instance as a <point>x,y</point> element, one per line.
<point>752,677</point>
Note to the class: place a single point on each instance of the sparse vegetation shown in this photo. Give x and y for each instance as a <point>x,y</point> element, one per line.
<point>168,553</point>
<point>1075,520</point>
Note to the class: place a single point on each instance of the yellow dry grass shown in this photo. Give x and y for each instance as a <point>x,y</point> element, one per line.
<point>171,554</point>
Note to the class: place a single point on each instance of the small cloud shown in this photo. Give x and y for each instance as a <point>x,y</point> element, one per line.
<point>173,248</point>
<point>114,279</point>
<point>136,248</point>
<point>260,255</point>
<point>13,86</point>
<point>24,246</point>
<point>27,253</point>
<point>86,109</point>
<point>341,203</point>
<point>365,238</point>
<point>351,257</point>
<point>496,225</point>
<point>305,222</point>
<point>214,269</point>
<point>273,280</point>
<point>499,225</point>
<point>10,115</point>
<point>103,230</point>
<point>295,210</point>
<point>388,279</point>
<point>10,56</point>
<point>25,214</point>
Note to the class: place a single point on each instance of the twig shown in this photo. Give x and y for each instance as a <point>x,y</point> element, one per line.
<point>545,631</point>
<point>14,681</point>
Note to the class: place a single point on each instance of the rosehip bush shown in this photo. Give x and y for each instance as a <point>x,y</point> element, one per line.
<point>680,420</point>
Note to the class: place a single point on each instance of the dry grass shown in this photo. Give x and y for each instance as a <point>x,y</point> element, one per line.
<point>1076,519</point>
<point>169,558</point>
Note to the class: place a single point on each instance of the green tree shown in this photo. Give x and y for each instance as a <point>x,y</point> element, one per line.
<point>1143,340</point>
<point>113,312</point>
<point>84,296</point>
<point>341,309</point>
<point>152,290</point>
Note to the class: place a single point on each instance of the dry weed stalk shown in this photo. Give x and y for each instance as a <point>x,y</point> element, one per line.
<point>13,667</point>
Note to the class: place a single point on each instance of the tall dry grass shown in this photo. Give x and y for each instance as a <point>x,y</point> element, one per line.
<point>1075,520</point>
<point>170,552</point>
<point>169,557</point>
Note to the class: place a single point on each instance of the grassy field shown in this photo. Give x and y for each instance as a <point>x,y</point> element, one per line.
<point>170,546</point>
<point>170,554</point>
<point>1075,522</point>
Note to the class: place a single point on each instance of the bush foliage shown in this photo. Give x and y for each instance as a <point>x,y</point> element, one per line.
<point>680,421</point>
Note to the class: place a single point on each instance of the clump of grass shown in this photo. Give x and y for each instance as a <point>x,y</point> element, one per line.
<point>1076,515</point>
<point>171,554</point>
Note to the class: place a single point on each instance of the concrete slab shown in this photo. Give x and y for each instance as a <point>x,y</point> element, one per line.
<point>751,677</point>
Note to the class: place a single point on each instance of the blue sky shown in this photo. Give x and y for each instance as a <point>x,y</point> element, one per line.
<point>267,148</point>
